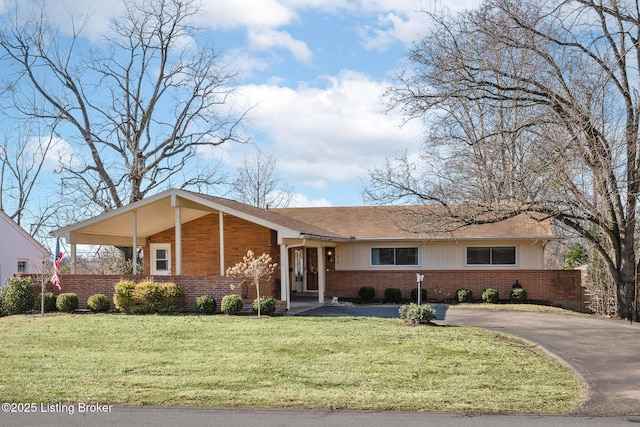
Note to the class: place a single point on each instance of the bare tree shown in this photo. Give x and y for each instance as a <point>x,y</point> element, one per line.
<point>23,155</point>
<point>257,182</point>
<point>137,107</point>
<point>252,269</point>
<point>540,107</point>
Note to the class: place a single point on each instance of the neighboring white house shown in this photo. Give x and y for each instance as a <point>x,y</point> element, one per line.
<point>19,252</point>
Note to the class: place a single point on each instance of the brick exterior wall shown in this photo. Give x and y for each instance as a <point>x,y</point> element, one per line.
<point>559,287</point>
<point>201,246</point>
<point>195,286</point>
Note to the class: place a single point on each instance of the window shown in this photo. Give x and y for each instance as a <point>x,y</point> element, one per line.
<point>394,256</point>
<point>160,259</point>
<point>491,255</point>
<point>23,266</point>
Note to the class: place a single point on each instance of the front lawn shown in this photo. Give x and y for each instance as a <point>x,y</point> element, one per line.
<point>293,362</point>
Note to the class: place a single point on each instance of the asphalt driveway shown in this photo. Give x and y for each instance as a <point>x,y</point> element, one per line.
<point>605,352</point>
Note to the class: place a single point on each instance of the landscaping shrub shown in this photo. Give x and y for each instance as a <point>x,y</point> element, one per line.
<point>231,304</point>
<point>206,304</point>
<point>393,295</point>
<point>518,295</point>
<point>417,313</point>
<point>267,305</point>
<point>67,302</point>
<point>464,295</point>
<point>123,296</point>
<point>16,295</point>
<point>148,297</point>
<point>490,295</point>
<point>98,303</point>
<point>173,298</point>
<point>414,294</point>
<point>367,293</point>
<point>49,302</point>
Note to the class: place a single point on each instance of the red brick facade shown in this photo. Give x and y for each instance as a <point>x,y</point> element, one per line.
<point>560,287</point>
<point>201,246</point>
<point>195,286</point>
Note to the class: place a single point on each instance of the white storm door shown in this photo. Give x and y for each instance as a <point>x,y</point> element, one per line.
<point>160,259</point>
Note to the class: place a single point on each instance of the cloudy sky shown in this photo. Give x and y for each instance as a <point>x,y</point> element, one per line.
<point>315,72</point>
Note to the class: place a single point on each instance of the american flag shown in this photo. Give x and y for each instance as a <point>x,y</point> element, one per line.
<point>55,279</point>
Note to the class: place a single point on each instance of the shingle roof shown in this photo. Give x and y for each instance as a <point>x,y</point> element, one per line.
<point>404,222</point>
<point>385,222</point>
<point>334,223</point>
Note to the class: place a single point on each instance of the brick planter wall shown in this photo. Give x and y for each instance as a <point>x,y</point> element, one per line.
<point>195,286</point>
<point>559,287</point>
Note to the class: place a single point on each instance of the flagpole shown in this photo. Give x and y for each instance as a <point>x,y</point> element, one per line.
<point>44,260</point>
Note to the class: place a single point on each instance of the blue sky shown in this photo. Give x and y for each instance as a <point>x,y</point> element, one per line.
<point>314,72</point>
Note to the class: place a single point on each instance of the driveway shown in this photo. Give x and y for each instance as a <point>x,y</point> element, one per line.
<point>605,352</point>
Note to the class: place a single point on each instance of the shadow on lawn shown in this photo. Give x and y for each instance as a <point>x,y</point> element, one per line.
<point>381,311</point>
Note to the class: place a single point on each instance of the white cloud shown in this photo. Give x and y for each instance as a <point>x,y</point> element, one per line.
<point>251,14</point>
<point>302,201</point>
<point>268,39</point>
<point>329,134</point>
<point>60,152</point>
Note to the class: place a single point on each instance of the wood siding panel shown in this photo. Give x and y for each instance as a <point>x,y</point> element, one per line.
<point>439,255</point>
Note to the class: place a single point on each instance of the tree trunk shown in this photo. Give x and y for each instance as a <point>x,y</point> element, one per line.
<point>626,287</point>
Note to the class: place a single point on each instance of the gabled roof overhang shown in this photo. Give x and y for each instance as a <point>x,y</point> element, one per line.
<point>153,215</point>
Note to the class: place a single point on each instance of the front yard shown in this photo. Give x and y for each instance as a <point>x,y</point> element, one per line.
<point>294,362</point>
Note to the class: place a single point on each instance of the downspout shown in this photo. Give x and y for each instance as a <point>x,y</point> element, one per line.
<point>286,260</point>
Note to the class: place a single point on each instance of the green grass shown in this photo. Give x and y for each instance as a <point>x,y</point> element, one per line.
<point>293,362</point>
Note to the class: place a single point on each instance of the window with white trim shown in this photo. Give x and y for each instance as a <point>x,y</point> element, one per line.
<point>394,256</point>
<point>23,266</point>
<point>491,255</point>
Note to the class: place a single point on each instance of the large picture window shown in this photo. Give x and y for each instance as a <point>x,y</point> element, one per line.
<point>394,256</point>
<point>491,255</point>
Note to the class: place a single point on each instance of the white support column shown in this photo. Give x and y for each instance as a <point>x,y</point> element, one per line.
<point>178,227</point>
<point>284,275</point>
<point>221,223</point>
<point>73,258</point>
<point>321,275</point>
<point>134,246</point>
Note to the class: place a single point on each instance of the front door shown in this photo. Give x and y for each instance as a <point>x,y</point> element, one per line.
<point>160,259</point>
<point>298,270</point>
<point>312,269</point>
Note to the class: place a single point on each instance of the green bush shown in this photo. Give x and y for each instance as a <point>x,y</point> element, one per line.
<point>49,302</point>
<point>414,294</point>
<point>417,313</point>
<point>206,304</point>
<point>173,298</point>
<point>393,295</point>
<point>98,303</point>
<point>367,293</point>
<point>67,302</point>
<point>267,305</point>
<point>518,295</point>
<point>16,295</point>
<point>123,296</point>
<point>464,295</point>
<point>231,304</point>
<point>148,297</point>
<point>490,295</point>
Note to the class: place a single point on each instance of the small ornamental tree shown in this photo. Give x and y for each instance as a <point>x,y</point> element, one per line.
<point>252,269</point>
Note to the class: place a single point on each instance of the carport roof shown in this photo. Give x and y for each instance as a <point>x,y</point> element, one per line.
<point>373,223</point>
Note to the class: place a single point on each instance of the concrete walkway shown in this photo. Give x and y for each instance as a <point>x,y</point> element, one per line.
<point>605,352</point>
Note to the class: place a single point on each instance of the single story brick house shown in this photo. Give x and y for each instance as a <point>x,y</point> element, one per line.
<point>192,238</point>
